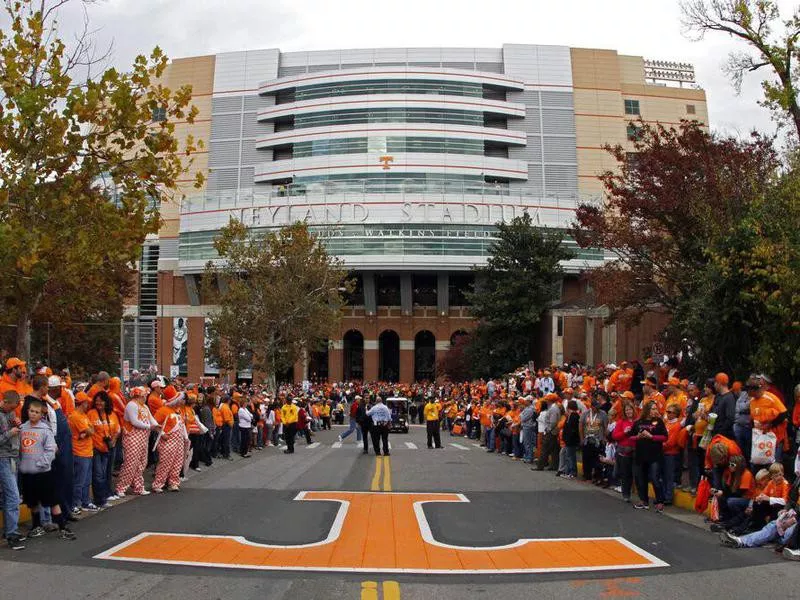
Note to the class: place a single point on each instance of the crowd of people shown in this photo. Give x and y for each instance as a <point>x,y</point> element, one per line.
<point>72,447</point>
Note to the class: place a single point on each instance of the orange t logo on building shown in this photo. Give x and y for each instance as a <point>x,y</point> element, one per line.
<point>385,160</point>
<point>384,532</point>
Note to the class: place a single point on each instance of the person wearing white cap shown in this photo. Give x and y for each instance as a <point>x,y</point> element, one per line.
<point>171,442</point>
<point>136,426</point>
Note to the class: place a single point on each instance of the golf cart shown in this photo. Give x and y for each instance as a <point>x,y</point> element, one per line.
<point>399,408</point>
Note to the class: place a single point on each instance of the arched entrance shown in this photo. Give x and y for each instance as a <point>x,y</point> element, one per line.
<point>388,356</point>
<point>424,356</point>
<point>353,350</point>
<point>318,363</point>
<point>456,335</point>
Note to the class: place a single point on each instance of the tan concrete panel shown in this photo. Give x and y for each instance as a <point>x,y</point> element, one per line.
<point>591,131</point>
<point>660,91</point>
<point>631,69</point>
<point>595,68</point>
<point>590,186</point>
<point>594,162</point>
<point>598,102</point>
<point>170,227</point>
<point>197,71</point>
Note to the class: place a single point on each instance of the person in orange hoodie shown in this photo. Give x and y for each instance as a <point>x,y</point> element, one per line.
<point>676,397</point>
<point>171,442</point>
<point>621,379</point>
<point>720,450</point>
<point>673,450</point>
<point>16,378</point>
<point>82,452</point>
<point>104,438</point>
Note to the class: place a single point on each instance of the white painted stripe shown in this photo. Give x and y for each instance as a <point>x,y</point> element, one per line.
<point>314,445</point>
<point>337,445</point>
<point>411,445</point>
<point>459,446</point>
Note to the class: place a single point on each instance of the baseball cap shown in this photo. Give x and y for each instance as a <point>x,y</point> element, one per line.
<point>629,395</point>
<point>721,378</point>
<point>156,383</point>
<point>674,381</point>
<point>138,391</point>
<point>14,362</point>
<point>54,381</point>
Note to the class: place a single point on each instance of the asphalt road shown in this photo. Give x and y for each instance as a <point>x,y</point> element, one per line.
<point>257,498</point>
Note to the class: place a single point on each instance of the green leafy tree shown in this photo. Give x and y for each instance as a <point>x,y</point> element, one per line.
<point>83,167</point>
<point>512,292</point>
<point>279,294</point>
<point>772,46</point>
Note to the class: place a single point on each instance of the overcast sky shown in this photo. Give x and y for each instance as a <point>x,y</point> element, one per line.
<point>649,28</point>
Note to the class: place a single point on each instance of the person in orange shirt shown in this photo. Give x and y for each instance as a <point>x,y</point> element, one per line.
<point>227,428</point>
<point>100,385</point>
<point>720,450</point>
<point>772,498</point>
<point>82,452</point>
<point>673,450</point>
<point>16,378</point>
<point>171,443</point>
<point>767,412</point>
<point>589,381</point>
<point>736,495</point>
<point>104,438</point>
<point>621,379</point>
<point>676,397</point>
<point>651,394</point>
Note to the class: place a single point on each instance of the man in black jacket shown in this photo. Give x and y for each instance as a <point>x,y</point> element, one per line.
<point>724,407</point>
<point>363,421</point>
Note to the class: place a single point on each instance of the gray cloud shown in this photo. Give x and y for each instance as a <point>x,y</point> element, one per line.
<point>650,29</point>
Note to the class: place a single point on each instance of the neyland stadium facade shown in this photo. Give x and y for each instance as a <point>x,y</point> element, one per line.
<point>402,161</point>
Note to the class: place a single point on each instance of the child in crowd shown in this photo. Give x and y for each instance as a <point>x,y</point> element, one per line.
<point>37,451</point>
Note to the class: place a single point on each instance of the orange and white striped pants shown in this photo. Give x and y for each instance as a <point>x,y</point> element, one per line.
<point>134,447</point>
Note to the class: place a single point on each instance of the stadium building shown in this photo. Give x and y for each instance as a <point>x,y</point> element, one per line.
<point>402,160</point>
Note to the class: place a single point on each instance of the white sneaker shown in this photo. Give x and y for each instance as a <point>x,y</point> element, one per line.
<point>790,554</point>
<point>144,493</point>
<point>112,498</point>
<point>339,438</point>
<point>91,507</point>
<point>107,505</point>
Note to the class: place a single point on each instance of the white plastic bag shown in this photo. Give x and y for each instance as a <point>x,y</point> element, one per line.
<point>763,448</point>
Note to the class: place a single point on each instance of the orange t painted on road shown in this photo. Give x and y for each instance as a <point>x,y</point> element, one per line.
<point>384,532</point>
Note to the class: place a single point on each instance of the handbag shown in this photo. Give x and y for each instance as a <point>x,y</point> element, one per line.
<point>762,451</point>
<point>703,495</point>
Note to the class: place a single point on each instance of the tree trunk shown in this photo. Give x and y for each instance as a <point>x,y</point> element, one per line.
<point>24,335</point>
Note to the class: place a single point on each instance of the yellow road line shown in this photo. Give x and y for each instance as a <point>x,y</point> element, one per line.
<point>376,479</point>
<point>391,590</point>
<point>369,590</point>
<point>387,481</point>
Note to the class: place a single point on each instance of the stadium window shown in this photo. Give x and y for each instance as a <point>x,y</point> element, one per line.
<point>690,109</point>
<point>632,107</point>
<point>633,132</point>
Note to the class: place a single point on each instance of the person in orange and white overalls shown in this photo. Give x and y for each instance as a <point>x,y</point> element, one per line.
<point>172,442</point>
<point>136,426</point>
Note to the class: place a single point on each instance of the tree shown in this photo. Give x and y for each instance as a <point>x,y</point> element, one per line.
<point>83,167</point>
<point>683,188</point>
<point>513,290</point>
<point>279,294</point>
<point>455,363</point>
<point>755,23</point>
<point>707,227</point>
